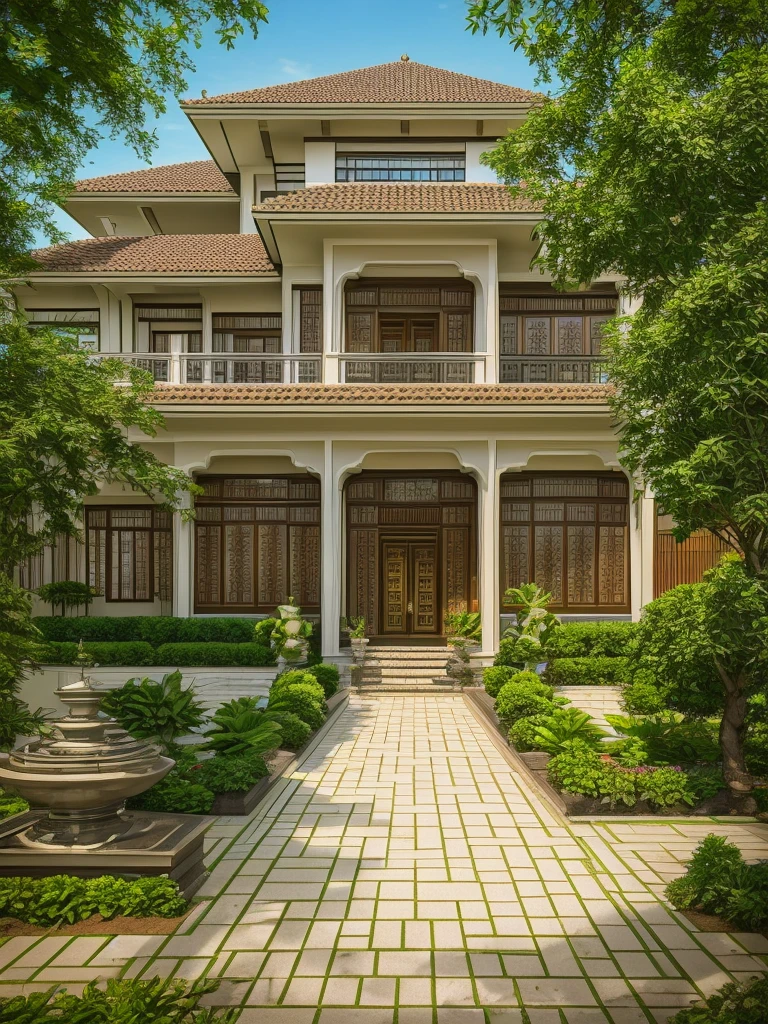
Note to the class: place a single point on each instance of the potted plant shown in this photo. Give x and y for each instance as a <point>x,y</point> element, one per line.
<point>355,627</point>
<point>290,635</point>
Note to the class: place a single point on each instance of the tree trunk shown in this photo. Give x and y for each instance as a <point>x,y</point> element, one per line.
<point>732,732</point>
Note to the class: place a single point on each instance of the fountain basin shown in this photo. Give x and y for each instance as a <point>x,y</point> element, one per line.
<point>83,791</point>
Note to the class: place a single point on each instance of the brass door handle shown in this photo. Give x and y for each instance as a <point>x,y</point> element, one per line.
<point>410,607</point>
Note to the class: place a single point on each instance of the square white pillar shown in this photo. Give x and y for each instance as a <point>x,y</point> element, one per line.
<point>182,562</point>
<point>489,556</point>
<point>330,564</point>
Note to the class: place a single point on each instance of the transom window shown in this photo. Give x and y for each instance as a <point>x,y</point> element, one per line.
<point>400,167</point>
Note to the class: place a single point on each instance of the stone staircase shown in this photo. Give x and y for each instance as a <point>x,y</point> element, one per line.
<point>405,670</point>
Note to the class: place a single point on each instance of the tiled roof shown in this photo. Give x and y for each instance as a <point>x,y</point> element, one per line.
<point>380,394</point>
<point>161,254</point>
<point>195,176</point>
<point>396,197</point>
<point>402,81</point>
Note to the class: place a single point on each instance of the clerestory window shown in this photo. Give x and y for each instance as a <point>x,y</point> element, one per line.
<point>400,167</point>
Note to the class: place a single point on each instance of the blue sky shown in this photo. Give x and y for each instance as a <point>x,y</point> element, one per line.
<point>304,40</point>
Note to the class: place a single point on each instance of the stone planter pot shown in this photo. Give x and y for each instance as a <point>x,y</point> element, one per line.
<point>359,644</point>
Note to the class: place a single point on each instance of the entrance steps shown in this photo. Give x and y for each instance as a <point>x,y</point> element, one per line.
<point>405,670</point>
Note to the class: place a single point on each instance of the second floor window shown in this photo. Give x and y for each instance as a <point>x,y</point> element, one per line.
<point>400,167</point>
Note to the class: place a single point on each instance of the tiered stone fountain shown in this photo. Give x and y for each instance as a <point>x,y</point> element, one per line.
<point>77,780</point>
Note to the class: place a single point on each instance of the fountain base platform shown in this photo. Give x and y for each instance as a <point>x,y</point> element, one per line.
<point>143,843</point>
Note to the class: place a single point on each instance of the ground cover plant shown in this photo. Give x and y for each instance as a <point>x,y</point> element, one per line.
<point>734,1003</point>
<point>67,899</point>
<point>719,881</point>
<point>125,1001</point>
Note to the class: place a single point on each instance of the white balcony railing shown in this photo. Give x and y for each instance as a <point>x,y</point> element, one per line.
<point>552,370</point>
<point>411,368</point>
<point>223,367</point>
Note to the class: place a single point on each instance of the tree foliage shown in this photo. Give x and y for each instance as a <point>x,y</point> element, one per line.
<point>652,163</point>
<point>73,72</point>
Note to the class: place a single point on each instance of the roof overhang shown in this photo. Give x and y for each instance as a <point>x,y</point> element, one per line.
<point>328,111</point>
<point>154,277</point>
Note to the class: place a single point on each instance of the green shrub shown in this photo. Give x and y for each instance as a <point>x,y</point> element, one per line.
<point>643,697</point>
<point>518,700</point>
<point>665,787</point>
<point>237,730</point>
<point>718,881</point>
<point>577,770</point>
<point>589,671</point>
<point>295,731</point>
<point>231,773</point>
<point>327,676</point>
<point>175,794</point>
<point>296,677</point>
<point>202,655</point>
<point>523,731</point>
<point>495,676</point>
<point>518,651</point>
<point>68,899</point>
<point>106,653</point>
<point>734,1003</point>
<point>300,699</point>
<point>125,1001</point>
<point>11,805</point>
<point>589,639</point>
<point>152,629</point>
<point>564,726</point>
<point>147,709</point>
<point>670,738</point>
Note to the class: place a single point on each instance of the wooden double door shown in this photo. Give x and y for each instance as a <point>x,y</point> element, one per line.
<point>410,599</point>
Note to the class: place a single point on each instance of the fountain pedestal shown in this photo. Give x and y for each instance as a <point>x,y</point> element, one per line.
<point>77,781</point>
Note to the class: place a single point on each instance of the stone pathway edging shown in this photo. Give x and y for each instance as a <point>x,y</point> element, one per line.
<point>406,874</point>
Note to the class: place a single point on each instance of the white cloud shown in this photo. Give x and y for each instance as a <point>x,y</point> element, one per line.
<point>294,69</point>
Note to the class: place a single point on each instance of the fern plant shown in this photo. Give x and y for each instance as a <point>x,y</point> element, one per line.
<point>565,725</point>
<point>236,731</point>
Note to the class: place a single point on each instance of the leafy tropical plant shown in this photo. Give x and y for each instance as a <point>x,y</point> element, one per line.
<point>67,594</point>
<point>566,725</point>
<point>177,793</point>
<point>148,710</point>
<point>734,1003</point>
<point>123,1001</point>
<point>464,626</point>
<point>67,899</point>
<point>669,738</point>
<point>236,731</point>
<point>522,733</point>
<point>355,627</point>
<point>523,643</point>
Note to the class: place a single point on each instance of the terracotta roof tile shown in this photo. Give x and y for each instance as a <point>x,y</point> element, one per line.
<point>161,254</point>
<point>195,176</point>
<point>397,197</point>
<point>380,394</point>
<point>398,82</point>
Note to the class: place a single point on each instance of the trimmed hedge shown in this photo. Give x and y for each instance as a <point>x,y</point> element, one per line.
<point>117,653</point>
<point>327,676</point>
<point>151,629</point>
<point>497,676</point>
<point>247,655</point>
<point>589,639</point>
<point>587,672</point>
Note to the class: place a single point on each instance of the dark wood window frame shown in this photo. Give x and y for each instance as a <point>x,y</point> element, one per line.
<point>157,542</point>
<point>286,518</point>
<point>519,518</point>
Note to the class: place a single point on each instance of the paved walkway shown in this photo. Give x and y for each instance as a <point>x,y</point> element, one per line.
<point>406,875</point>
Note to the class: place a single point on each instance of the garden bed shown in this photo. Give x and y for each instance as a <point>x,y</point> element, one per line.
<point>243,802</point>
<point>96,925</point>
<point>571,804</point>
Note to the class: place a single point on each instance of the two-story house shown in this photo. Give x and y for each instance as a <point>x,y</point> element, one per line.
<point>391,414</point>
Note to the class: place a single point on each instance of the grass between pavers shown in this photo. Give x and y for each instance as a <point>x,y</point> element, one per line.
<point>273,823</point>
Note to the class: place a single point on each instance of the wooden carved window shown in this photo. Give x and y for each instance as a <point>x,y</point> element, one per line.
<point>129,553</point>
<point>409,316</point>
<point>569,534</point>
<point>257,542</point>
<point>247,333</point>
<point>551,337</point>
<point>310,319</point>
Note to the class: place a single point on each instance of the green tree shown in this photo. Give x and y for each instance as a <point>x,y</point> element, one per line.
<point>73,72</point>
<point>651,162</point>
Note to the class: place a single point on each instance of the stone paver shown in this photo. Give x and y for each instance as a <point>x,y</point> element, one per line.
<point>406,872</point>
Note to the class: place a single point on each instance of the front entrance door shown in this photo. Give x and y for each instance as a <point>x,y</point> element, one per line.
<point>410,599</point>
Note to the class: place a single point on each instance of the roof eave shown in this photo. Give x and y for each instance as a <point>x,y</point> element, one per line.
<point>323,216</point>
<point>319,109</point>
<point>81,197</point>
<point>104,276</point>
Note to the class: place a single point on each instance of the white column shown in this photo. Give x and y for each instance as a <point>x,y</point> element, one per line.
<point>247,199</point>
<point>182,562</point>
<point>330,565</point>
<point>126,323</point>
<point>331,340</point>
<point>647,510</point>
<point>489,557</point>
